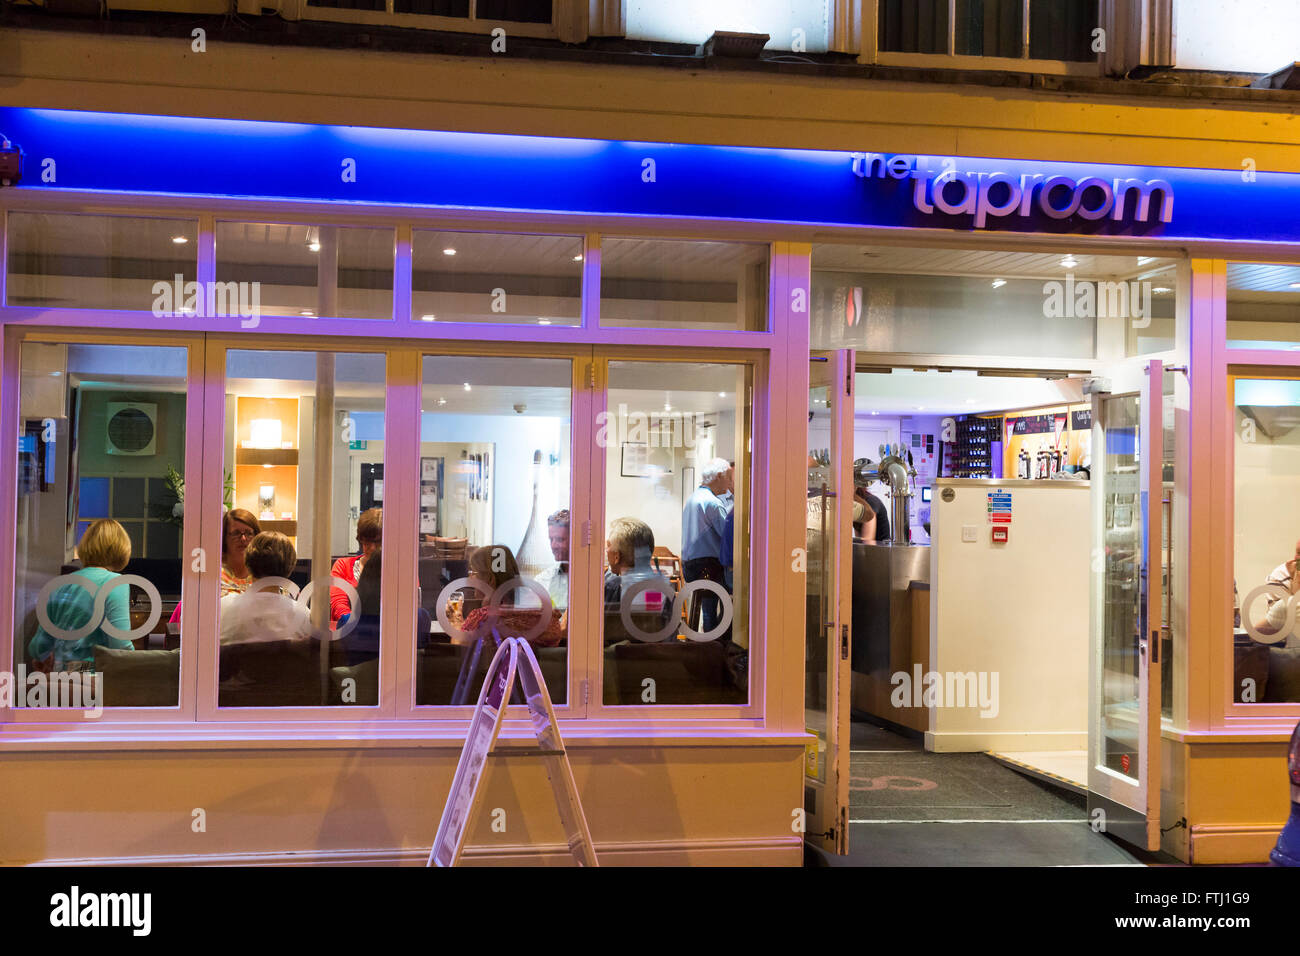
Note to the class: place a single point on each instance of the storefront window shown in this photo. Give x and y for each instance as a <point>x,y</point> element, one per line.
<point>676,284</point>
<point>309,271</point>
<point>101,463</point>
<point>100,262</point>
<point>302,548</point>
<point>967,302</point>
<point>1263,306</point>
<point>1266,539</point>
<point>676,520</point>
<point>494,520</point>
<point>486,277</point>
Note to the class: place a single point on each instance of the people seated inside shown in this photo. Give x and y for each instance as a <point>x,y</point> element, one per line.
<point>494,566</point>
<point>1286,574</point>
<point>238,528</point>
<point>370,535</point>
<point>361,643</point>
<point>104,550</point>
<point>556,578</point>
<point>629,549</point>
<point>265,614</point>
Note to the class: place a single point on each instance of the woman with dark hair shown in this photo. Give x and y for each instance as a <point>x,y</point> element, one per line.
<point>238,528</point>
<point>370,535</point>
<point>362,642</point>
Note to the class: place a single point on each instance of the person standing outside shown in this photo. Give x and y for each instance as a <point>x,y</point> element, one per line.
<point>703,524</point>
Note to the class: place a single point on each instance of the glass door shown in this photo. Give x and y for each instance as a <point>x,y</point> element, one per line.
<point>1124,674</point>
<point>829,578</point>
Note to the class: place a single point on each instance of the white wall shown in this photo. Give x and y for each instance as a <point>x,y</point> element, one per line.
<point>689,21</point>
<point>1019,610</point>
<point>1245,36</point>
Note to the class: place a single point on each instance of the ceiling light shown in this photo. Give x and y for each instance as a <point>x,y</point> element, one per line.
<point>180,240</point>
<point>543,321</point>
<point>442,401</point>
<point>875,413</point>
<point>577,258</point>
<point>668,407</point>
<point>1069,262</point>
<point>314,246</point>
<point>722,394</point>
<point>428,318</point>
<point>1162,290</point>
<point>999,283</point>
<point>306,312</point>
<point>449,251</point>
<point>467,386</point>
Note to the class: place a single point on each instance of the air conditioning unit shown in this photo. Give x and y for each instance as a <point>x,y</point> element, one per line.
<point>132,428</point>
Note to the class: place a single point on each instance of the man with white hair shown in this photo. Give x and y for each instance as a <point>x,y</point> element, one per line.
<point>703,524</point>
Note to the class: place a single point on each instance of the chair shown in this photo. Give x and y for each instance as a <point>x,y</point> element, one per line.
<point>668,564</point>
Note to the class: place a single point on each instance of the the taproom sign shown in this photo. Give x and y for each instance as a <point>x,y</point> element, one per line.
<point>998,194</point>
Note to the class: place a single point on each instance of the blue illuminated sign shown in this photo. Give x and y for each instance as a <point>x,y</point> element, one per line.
<point>475,171</point>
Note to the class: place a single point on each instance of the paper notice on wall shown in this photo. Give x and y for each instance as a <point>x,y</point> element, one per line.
<point>428,524</point>
<point>428,499</point>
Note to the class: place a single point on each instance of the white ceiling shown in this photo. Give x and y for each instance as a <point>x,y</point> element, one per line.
<point>991,263</point>
<point>906,392</point>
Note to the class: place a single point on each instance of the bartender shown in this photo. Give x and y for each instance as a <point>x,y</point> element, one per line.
<point>874,528</point>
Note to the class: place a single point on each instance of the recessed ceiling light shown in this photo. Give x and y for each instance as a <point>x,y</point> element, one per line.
<point>467,386</point>
<point>180,240</point>
<point>543,321</point>
<point>999,283</point>
<point>722,394</point>
<point>1069,262</point>
<point>306,312</point>
<point>668,407</point>
<point>428,318</point>
<point>875,413</point>
<point>449,251</point>
<point>314,246</point>
<point>577,258</point>
<point>442,401</point>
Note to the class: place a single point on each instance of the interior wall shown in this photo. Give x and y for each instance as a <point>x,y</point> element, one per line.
<point>1017,610</point>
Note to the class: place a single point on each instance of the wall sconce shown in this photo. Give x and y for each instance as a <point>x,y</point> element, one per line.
<point>266,432</point>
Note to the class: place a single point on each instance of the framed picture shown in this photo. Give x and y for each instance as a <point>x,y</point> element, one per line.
<point>635,460</point>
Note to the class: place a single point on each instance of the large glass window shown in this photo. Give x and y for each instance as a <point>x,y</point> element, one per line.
<point>494,520</point>
<point>486,277</point>
<point>309,271</point>
<point>989,302</point>
<point>676,622</point>
<point>676,284</point>
<point>1263,306</point>
<point>1266,539</point>
<point>100,511</point>
<point>302,532</point>
<point>61,261</point>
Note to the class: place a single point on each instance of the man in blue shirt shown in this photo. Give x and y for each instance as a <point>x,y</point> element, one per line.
<point>703,526</point>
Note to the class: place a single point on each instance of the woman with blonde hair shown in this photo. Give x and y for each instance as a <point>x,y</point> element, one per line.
<point>104,550</point>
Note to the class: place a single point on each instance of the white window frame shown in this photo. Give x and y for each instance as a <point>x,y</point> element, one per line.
<point>403,339</point>
<point>1138,33</point>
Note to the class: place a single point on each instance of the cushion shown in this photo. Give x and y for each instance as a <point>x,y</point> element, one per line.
<point>139,678</point>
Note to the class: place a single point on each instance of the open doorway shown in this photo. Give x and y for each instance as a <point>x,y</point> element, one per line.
<point>995,572</point>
